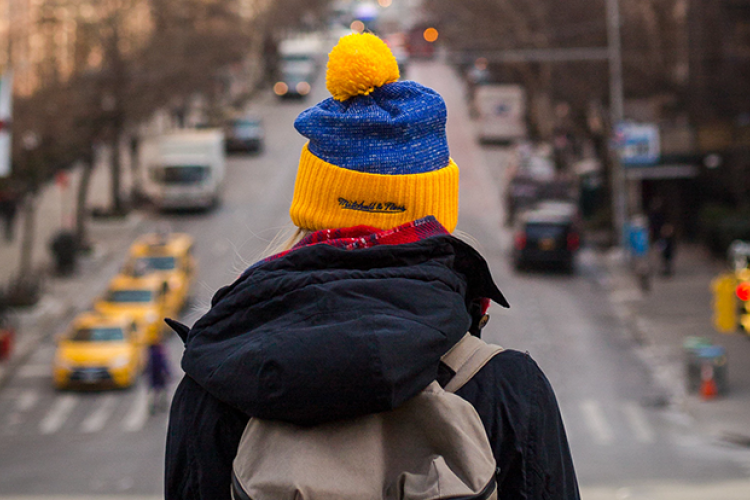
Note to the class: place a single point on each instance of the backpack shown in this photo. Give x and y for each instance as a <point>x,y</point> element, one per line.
<point>432,447</point>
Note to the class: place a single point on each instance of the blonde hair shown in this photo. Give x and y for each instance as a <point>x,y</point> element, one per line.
<point>468,239</point>
<point>284,240</point>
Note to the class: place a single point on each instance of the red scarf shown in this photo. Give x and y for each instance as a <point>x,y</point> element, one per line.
<point>357,237</point>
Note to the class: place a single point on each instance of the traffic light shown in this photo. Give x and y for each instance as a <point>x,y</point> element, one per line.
<point>430,35</point>
<point>743,295</point>
<point>725,304</point>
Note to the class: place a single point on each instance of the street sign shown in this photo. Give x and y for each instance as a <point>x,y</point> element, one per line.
<point>637,143</point>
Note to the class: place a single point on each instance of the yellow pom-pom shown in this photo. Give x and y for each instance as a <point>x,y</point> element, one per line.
<point>358,64</point>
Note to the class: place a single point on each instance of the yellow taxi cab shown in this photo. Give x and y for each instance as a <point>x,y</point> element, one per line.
<point>99,351</point>
<point>144,299</point>
<point>168,256</point>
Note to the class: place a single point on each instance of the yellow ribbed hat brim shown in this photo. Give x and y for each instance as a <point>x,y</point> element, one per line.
<point>327,196</point>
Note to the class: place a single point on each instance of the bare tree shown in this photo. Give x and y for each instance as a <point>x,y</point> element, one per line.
<point>654,55</point>
<point>35,147</point>
<point>137,73</point>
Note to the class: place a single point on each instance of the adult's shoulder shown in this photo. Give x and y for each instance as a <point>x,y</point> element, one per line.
<point>513,365</point>
<point>511,379</point>
<point>518,407</point>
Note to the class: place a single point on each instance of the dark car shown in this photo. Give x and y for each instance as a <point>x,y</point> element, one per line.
<point>546,236</point>
<point>244,135</point>
<point>294,84</point>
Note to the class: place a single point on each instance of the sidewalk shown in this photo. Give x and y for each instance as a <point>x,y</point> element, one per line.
<point>55,210</point>
<point>660,320</point>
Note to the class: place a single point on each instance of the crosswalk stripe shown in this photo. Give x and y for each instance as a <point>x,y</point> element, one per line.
<point>34,371</point>
<point>596,421</point>
<point>57,415</point>
<point>27,400</point>
<point>638,422</point>
<point>136,418</point>
<point>96,420</point>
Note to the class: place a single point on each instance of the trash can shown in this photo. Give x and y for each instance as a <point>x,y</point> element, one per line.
<point>691,345</point>
<point>706,367</point>
<point>65,252</point>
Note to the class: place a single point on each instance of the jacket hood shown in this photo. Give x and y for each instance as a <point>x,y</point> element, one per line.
<point>324,333</point>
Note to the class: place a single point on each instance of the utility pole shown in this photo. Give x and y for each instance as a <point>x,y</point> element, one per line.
<point>612,53</point>
<point>614,47</point>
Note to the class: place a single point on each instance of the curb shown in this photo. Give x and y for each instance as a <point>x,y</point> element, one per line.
<point>666,370</point>
<point>665,375</point>
<point>28,343</point>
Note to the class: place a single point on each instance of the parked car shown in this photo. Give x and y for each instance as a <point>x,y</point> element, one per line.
<point>546,236</point>
<point>99,351</point>
<point>563,207</point>
<point>244,135</point>
<point>533,179</point>
<point>522,193</point>
<point>142,298</point>
<point>169,257</point>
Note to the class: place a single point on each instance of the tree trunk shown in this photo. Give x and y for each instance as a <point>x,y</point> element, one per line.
<point>82,239</point>
<point>136,189</point>
<point>116,170</point>
<point>26,263</point>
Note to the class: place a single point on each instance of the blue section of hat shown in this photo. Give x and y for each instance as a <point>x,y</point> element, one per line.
<point>397,129</point>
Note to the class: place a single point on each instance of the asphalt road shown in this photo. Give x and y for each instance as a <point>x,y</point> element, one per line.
<point>625,445</point>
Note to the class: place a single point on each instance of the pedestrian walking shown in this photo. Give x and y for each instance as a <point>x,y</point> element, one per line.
<point>159,374</point>
<point>8,211</point>
<point>666,246</point>
<point>354,314</point>
<point>638,242</point>
<point>656,216</point>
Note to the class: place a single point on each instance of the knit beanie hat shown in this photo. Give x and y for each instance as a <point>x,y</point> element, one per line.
<point>377,153</point>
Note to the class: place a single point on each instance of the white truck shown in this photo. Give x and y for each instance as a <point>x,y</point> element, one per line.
<point>183,169</point>
<point>300,54</point>
<point>299,60</point>
<point>501,113</point>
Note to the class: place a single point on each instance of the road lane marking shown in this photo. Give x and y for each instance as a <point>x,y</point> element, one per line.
<point>26,400</point>
<point>638,422</point>
<point>34,371</point>
<point>597,422</point>
<point>625,295</point>
<point>23,402</point>
<point>136,418</point>
<point>96,419</point>
<point>57,415</point>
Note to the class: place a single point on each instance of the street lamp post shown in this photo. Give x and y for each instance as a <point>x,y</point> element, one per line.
<point>614,49</point>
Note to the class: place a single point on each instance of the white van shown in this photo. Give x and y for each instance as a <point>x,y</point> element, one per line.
<point>184,169</point>
<point>501,113</point>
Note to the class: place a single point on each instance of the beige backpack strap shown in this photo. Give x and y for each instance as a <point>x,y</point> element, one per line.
<point>466,358</point>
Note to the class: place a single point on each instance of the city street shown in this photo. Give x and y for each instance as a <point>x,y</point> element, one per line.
<point>625,442</point>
